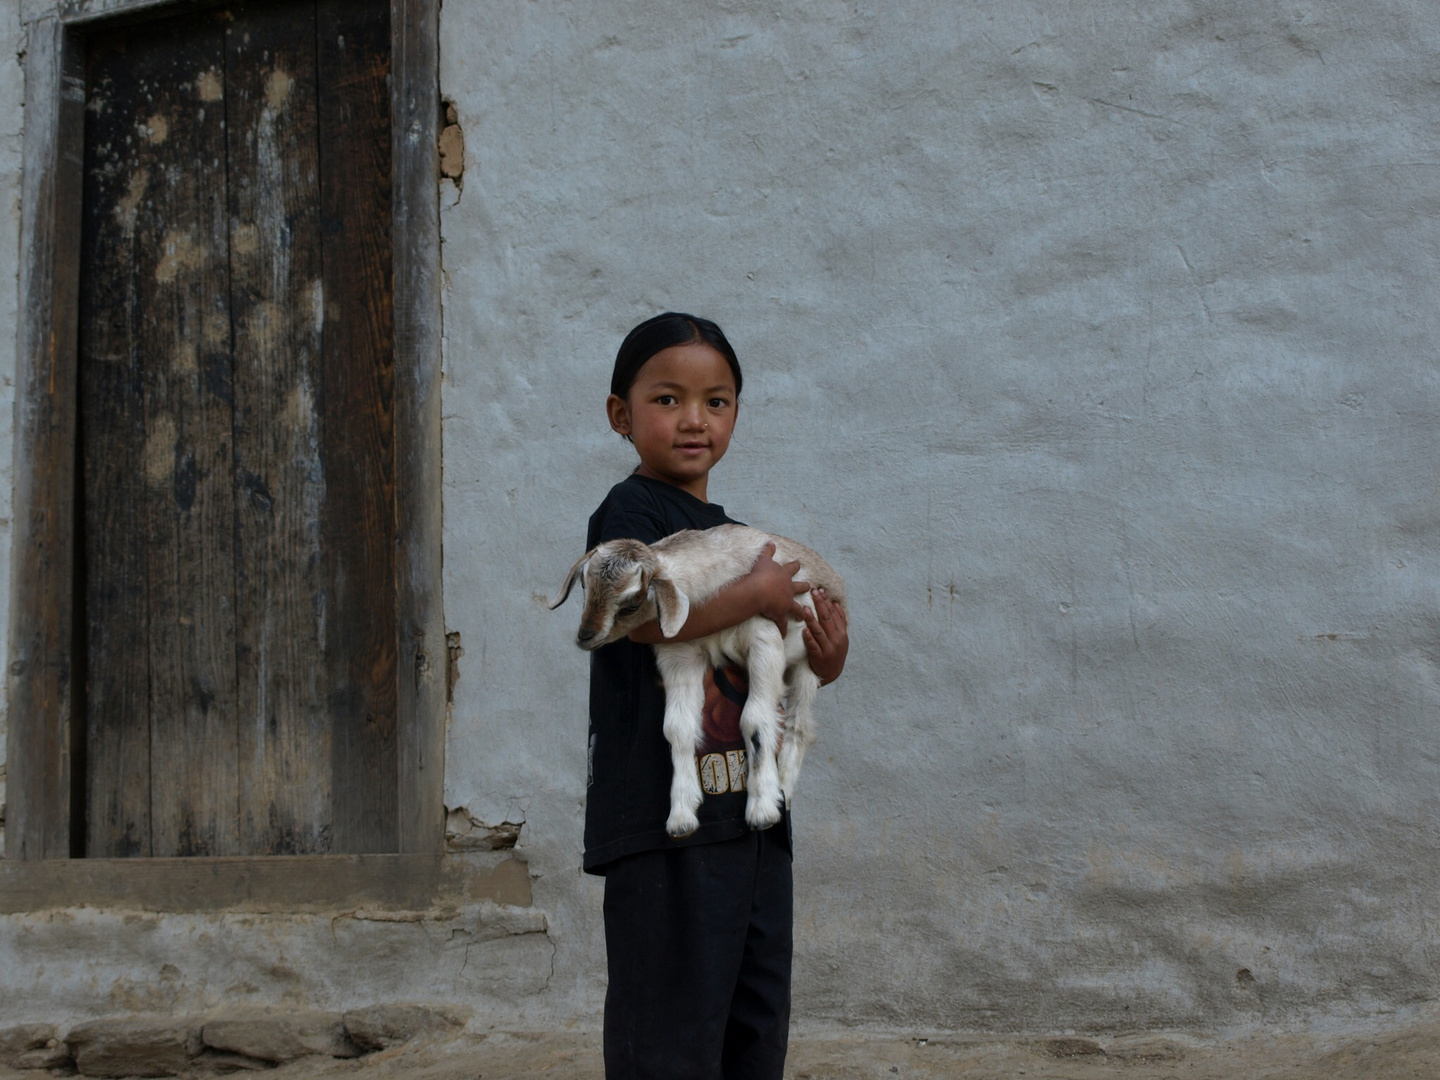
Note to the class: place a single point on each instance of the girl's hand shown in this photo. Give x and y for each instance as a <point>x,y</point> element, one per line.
<point>776,588</point>
<point>827,637</point>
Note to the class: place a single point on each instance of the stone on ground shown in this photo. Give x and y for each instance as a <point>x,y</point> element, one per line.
<point>218,1061</point>
<point>134,1046</point>
<point>280,1036</point>
<point>1071,1047</point>
<point>381,1026</point>
<point>32,1046</point>
<point>23,1038</point>
<point>56,1056</point>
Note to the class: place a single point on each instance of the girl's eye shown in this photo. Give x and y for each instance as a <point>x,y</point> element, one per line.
<point>665,399</point>
<point>719,403</point>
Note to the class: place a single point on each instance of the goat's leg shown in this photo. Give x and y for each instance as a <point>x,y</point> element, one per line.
<point>682,668</point>
<point>800,725</point>
<point>760,723</point>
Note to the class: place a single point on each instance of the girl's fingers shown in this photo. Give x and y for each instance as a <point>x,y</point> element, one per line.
<point>827,612</point>
<point>815,625</point>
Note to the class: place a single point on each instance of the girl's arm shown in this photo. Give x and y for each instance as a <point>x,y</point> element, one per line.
<point>769,589</point>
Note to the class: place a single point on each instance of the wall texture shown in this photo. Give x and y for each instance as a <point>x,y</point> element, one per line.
<point>1095,345</point>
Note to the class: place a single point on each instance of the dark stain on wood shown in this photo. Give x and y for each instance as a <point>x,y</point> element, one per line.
<point>285,733</point>
<point>414,103</point>
<point>358,520</point>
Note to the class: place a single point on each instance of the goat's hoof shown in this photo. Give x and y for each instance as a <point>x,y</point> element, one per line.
<point>681,825</point>
<point>761,816</point>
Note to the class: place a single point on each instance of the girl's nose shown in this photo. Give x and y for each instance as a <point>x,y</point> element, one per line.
<point>692,419</point>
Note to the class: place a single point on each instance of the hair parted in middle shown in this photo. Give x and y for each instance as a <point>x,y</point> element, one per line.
<point>663,332</point>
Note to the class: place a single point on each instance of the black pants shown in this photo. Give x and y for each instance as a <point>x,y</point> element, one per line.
<point>698,943</point>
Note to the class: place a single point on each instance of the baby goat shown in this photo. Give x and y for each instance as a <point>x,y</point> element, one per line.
<point>628,583</point>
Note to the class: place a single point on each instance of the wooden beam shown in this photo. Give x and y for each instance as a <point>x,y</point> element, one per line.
<point>267,883</point>
<point>415,110</point>
<point>355,128</point>
<point>41,663</point>
<point>84,13</point>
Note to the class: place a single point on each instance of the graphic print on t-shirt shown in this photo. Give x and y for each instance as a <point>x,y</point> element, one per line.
<point>721,758</point>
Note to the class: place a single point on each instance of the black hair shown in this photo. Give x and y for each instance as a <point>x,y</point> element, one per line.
<point>664,332</point>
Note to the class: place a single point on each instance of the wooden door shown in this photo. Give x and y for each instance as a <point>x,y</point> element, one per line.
<point>236,478</point>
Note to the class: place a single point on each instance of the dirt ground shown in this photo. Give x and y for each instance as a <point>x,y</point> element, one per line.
<point>1411,1052</point>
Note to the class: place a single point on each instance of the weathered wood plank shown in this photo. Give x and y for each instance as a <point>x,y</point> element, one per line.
<point>353,50</point>
<point>113,13</point>
<point>115,258</point>
<point>41,819</point>
<point>182,338</point>
<point>283,603</point>
<point>314,883</point>
<point>415,106</point>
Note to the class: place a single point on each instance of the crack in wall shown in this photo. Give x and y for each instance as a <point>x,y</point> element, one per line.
<point>465,831</point>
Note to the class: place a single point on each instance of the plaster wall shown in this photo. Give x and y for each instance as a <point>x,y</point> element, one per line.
<point>1095,346</point>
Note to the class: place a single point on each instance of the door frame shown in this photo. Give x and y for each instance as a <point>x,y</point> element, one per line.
<point>44,737</point>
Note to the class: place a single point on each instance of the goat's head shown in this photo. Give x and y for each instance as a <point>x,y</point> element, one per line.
<point>624,588</point>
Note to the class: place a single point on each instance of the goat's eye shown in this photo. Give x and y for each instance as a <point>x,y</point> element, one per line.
<point>629,609</point>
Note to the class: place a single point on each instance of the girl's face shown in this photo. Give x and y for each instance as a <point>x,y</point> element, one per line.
<point>680,414</point>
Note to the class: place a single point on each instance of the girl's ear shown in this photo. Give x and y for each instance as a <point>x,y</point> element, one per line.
<point>672,606</point>
<point>618,410</point>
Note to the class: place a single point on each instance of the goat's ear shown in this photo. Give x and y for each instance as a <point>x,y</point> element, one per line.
<point>672,605</point>
<point>576,571</point>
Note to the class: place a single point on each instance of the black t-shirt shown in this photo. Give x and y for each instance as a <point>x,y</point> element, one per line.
<point>629,768</point>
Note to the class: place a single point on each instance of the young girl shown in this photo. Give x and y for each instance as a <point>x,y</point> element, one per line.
<point>697,930</point>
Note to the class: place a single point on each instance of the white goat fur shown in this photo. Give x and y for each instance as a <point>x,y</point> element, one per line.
<point>628,583</point>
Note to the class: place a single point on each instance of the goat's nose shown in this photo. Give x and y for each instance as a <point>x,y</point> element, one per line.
<point>585,635</point>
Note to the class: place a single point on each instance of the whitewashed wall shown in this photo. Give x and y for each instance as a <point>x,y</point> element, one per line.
<point>1096,344</point>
